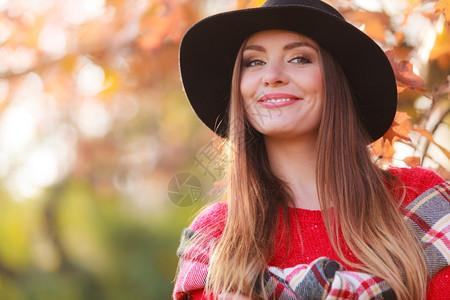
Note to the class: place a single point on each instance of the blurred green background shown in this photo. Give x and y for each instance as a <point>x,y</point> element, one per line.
<point>95,128</point>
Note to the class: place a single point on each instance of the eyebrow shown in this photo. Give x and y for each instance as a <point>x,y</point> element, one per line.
<point>289,46</point>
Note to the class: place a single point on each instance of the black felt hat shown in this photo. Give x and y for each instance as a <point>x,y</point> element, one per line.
<point>209,49</point>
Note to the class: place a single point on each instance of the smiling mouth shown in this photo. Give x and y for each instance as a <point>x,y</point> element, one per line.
<point>280,100</point>
<point>277,100</point>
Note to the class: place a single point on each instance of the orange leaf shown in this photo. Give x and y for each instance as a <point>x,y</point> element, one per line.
<point>388,151</point>
<point>375,28</point>
<point>401,117</point>
<point>400,128</point>
<point>400,89</point>
<point>377,147</point>
<point>443,6</point>
<point>412,161</point>
<point>375,23</point>
<point>404,72</point>
<point>383,148</point>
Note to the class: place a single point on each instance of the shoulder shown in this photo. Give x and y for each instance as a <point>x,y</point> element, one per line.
<point>417,176</point>
<point>416,180</point>
<point>211,219</point>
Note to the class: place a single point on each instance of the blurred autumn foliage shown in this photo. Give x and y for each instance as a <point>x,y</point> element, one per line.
<point>94,124</point>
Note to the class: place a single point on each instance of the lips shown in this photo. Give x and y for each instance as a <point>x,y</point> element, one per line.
<point>278,100</point>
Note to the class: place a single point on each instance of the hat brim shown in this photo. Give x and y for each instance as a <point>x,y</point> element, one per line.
<point>209,49</point>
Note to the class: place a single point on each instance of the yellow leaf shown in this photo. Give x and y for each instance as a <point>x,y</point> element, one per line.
<point>249,3</point>
<point>112,82</point>
<point>441,49</point>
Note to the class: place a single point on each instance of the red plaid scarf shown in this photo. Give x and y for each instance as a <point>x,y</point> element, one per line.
<point>429,215</point>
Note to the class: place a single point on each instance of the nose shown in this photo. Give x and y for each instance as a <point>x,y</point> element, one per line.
<point>275,75</point>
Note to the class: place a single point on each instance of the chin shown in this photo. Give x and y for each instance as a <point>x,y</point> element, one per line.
<point>291,133</point>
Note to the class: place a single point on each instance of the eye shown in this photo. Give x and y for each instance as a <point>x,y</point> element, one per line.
<point>300,60</point>
<point>254,63</point>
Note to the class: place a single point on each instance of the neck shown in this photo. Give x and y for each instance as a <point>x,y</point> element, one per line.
<point>295,163</point>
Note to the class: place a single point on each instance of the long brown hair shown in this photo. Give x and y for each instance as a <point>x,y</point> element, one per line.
<point>355,200</point>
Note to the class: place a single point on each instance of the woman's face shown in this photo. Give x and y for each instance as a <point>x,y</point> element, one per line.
<point>281,84</point>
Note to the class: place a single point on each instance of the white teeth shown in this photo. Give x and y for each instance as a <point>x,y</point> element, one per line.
<point>279,100</point>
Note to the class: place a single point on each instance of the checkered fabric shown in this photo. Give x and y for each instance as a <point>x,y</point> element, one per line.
<point>324,278</point>
<point>430,216</point>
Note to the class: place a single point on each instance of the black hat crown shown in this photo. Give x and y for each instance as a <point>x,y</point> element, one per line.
<point>309,3</point>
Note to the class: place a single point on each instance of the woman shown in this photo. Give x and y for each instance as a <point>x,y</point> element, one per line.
<point>297,94</point>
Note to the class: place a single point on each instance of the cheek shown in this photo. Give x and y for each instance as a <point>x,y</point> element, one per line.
<point>247,90</point>
<point>315,81</point>
<point>315,84</point>
<point>245,86</point>
<point>249,85</point>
